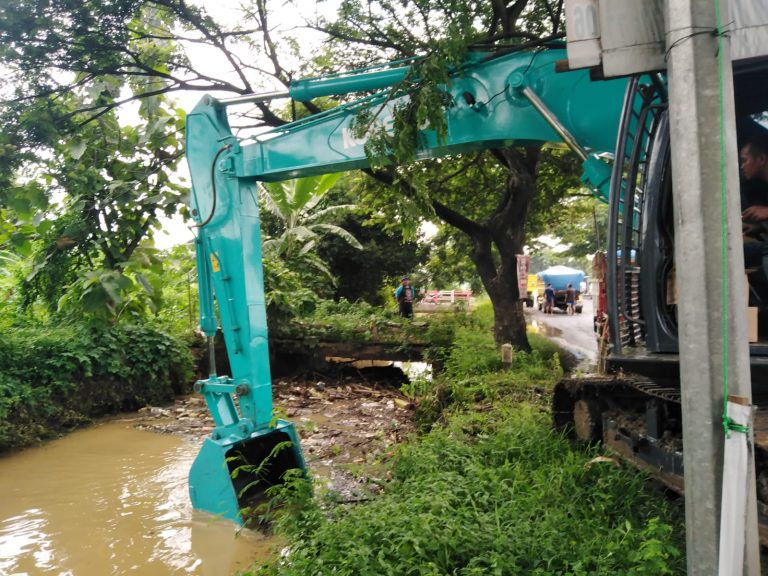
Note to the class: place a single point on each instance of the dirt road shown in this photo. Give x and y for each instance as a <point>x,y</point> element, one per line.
<point>573,333</point>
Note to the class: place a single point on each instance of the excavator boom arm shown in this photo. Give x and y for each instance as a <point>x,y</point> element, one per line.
<point>513,100</point>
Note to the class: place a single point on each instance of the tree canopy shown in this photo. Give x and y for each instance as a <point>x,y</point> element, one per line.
<point>486,196</point>
<point>84,189</point>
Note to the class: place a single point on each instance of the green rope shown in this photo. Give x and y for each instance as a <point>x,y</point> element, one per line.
<point>728,424</point>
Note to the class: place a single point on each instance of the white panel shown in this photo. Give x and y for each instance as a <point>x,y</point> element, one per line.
<point>749,31</point>
<point>629,35</point>
<point>583,33</point>
<point>632,36</point>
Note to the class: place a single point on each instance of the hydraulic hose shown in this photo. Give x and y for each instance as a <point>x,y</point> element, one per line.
<point>213,185</point>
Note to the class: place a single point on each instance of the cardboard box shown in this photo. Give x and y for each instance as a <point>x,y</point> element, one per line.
<point>752,324</point>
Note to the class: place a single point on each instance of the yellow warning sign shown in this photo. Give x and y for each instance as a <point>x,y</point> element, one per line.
<point>214,263</point>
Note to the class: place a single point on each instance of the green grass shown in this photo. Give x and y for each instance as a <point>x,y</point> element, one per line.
<point>489,493</point>
<point>488,488</point>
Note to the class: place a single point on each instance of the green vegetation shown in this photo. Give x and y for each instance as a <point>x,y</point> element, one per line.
<point>296,205</point>
<point>53,379</point>
<point>83,187</point>
<point>487,488</point>
<point>351,322</point>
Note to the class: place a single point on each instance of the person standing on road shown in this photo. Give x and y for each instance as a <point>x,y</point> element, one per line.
<point>570,300</point>
<point>549,299</point>
<point>405,295</point>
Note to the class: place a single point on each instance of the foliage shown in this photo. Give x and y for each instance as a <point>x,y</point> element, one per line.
<point>368,274</point>
<point>296,204</point>
<point>62,47</point>
<point>492,492</point>
<point>352,322</point>
<point>489,488</point>
<point>473,353</point>
<point>346,321</point>
<point>55,378</point>
<point>114,182</point>
<point>80,187</point>
<point>301,216</point>
<point>287,294</point>
<point>178,308</point>
<point>473,374</point>
<point>437,38</point>
<point>449,264</point>
<point>12,267</point>
<point>72,64</point>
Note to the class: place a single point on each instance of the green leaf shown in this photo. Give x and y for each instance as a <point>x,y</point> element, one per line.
<point>77,149</point>
<point>145,284</point>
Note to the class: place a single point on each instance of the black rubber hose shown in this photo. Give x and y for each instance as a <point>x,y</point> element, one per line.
<point>213,185</point>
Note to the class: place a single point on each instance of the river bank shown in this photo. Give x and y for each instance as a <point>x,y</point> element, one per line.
<point>349,421</point>
<point>121,484</point>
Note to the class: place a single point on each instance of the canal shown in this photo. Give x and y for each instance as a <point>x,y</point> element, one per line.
<point>112,500</point>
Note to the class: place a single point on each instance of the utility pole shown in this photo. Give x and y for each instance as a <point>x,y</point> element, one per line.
<point>710,267</point>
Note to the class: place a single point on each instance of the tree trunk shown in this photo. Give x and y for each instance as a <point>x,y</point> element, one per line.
<point>507,226</point>
<point>509,325</point>
<point>504,230</point>
<point>500,282</point>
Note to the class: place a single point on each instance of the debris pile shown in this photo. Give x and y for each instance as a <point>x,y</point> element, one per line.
<point>348,423</point>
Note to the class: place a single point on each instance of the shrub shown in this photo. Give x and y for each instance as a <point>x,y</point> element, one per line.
<point>473,375</point>
<point>55,378</point>
<point>489,489</point>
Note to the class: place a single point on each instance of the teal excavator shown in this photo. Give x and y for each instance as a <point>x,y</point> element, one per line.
<point>621,130</point>
<point>514,99</point>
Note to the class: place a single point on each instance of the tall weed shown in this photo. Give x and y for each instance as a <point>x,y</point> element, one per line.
<point>473,375</point>
<point>493,493</point>
<point>488,489</point>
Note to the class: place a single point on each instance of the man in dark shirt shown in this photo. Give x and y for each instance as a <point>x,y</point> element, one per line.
<point>405,297</point>
<point>570,299</point>
<point>753,158</point>
<point>549,299</point>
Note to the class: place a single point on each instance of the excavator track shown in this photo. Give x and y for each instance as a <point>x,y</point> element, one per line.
<point>641,421</point>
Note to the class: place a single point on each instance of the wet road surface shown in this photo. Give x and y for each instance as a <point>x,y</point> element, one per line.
<point>573,333</point>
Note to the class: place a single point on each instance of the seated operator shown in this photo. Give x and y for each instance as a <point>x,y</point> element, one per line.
<point>753,158</point>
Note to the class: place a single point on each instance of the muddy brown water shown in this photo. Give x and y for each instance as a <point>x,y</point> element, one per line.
<point>112,500</point>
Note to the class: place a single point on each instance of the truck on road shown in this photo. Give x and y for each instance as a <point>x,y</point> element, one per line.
<point>560,277</point>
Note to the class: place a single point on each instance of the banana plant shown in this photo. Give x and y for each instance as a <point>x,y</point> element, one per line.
<point>295,204</point>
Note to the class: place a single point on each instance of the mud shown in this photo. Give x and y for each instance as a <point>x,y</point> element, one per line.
<point>349,422</point>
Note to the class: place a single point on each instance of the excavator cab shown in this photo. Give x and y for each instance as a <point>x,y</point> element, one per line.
<point>643,294</point>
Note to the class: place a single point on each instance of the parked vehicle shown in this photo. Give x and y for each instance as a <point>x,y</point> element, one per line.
<point>560,277</point>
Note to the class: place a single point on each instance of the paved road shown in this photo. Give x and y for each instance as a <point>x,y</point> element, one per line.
<point>573,333</point>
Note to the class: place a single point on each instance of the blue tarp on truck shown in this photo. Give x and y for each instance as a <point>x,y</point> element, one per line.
<point>561,276</point>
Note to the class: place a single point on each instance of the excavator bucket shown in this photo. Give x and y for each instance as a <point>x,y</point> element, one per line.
<point>230,475</point>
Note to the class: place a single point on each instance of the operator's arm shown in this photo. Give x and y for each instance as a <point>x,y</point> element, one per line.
<point>398,292</point>
<point>755,214</point>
